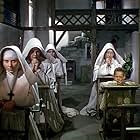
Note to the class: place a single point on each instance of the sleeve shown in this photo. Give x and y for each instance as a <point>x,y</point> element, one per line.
<point>103,69</point>
<point>59,69</point>
<point>42,76</point>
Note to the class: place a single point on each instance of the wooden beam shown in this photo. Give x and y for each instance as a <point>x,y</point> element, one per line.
<point>60,38</point>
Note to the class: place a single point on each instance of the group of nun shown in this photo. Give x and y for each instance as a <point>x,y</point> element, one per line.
<point>106,62</point>
<point>21,74</point>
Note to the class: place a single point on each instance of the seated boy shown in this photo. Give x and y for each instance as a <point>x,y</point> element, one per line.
<point>117,97</point>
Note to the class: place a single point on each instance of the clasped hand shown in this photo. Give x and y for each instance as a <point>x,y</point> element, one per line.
<point>108,61</point>
<point>7,105</point>
<point>35,64</point>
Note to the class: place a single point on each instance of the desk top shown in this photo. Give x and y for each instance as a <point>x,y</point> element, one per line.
<point>127,85</point>
<point>121,87</point>
<point>105,77</point>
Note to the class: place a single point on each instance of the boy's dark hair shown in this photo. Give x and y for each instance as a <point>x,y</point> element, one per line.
<point>119,69</point>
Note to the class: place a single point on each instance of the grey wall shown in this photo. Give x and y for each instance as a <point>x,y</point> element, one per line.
<point>24,13</point>
<point>72,4</point>
<point>136,54</point>
<point>83,69</point>
<point>126,4</point>
<point>9,35</point>
<point>123,40</point>
<point>41,18</point>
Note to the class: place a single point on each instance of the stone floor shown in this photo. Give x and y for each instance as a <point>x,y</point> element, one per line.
<point>80,127</point>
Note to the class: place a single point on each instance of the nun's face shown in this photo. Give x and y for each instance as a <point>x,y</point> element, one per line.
<point>109,54</point>
<point>10,65</point>
<point>35,53</point>
<point>51,52</point>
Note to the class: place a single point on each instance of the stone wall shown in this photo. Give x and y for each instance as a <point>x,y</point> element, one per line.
<point>77,51</point>
<point>9,35</point>
<point>83,70</point>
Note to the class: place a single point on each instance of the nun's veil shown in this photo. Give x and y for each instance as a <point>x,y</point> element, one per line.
<point>24,66</point>
<point>100,59</point>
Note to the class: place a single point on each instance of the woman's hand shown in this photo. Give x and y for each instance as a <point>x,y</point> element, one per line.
<point>1,103</point>
<point>35,65</point>
<point>108,61</point>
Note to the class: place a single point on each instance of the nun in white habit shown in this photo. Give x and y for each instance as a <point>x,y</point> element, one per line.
<point>17,88</point>
<point>35,55</point>
<point>107,61</point>
<point>60,71</point>
<point>59,67</point>
<point>20,80</point>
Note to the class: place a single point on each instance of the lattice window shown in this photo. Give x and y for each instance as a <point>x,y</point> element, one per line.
<point>73,20</point>
<point>10,17</point>
<point>83,18</point>
<point>117,17</point>
<point>129,19</point>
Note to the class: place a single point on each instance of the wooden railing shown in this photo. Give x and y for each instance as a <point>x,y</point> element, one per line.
<point>83,19</point>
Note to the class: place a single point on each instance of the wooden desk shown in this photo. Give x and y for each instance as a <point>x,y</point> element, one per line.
<point>51,111</point>
<point>99,80</point>
<point>122,107</point>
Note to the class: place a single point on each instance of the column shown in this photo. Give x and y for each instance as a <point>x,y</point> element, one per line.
<point>41,20</point>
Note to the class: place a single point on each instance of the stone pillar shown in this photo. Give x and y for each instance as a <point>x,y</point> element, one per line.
<point>24,20</point>
<point>41,20</point>
<point>24,13</point>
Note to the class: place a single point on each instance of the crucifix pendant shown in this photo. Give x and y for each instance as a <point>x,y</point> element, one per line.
<point>10,95</point>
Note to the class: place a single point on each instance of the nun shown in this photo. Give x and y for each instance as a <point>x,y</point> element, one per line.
<point>60,71</point>
<point>17,89</point>
<point>107,61</point>
<point>35,55</point>
<point>59,67</point>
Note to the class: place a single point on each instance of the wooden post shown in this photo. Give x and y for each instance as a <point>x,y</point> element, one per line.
<point>93,33</point>
<point>139,42</point>
<point>1,10</point>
